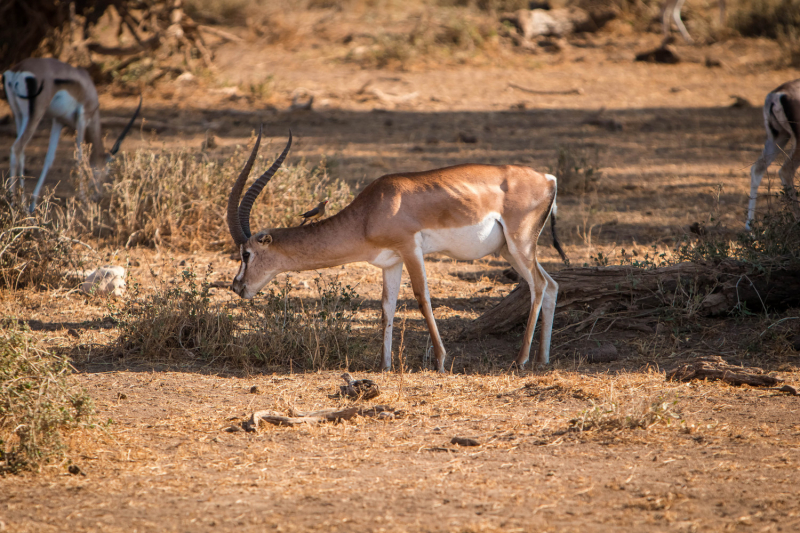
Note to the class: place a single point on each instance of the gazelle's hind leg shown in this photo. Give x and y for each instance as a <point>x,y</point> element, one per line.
<point>419,283</point>
<point>548,315</point>
<point>526,267</point>
<point>786,174</point>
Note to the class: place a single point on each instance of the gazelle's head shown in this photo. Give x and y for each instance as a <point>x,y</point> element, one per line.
<point>260,261</point>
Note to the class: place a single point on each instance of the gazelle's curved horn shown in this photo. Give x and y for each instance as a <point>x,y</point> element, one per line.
<point>235,227</point>
<point>115,148</point>
<point>254,190</point>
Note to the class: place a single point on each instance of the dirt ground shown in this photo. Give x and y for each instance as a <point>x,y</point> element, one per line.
<point>558,449</point>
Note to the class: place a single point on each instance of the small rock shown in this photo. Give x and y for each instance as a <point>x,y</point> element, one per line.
<point>105,281</point>
<point>122,396</point>
<point>464,441</point>
<point>712,62</point>
<point>602,354</point>
<point>187,78</point>
<point>360,389</point>
<point>255,390</point>
<point>232,93</point>
<point>663,54</point>
<point>233,429</point>
<point>74,470</point>
<point>740,102</point>
<point>467,138</point>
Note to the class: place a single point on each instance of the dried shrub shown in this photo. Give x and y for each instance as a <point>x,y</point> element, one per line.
<point>36,249</point>
<point>181,322</point>
<point>767,18</point>
<point>37,400</point>
<point>612,415</point>
<point>179,198</point>
<point>442,37</point>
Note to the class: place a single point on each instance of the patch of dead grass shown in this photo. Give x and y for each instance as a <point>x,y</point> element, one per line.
<point>38,400</point>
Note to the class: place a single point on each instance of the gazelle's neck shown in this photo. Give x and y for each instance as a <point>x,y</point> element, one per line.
<point>331,242</point>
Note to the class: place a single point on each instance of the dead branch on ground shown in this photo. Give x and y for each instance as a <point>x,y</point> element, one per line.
<point>715,368</point>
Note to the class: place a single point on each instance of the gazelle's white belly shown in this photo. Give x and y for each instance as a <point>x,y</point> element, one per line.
<point>468,242</point>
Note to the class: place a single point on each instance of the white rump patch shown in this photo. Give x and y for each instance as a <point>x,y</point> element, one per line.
<point>63,107</point>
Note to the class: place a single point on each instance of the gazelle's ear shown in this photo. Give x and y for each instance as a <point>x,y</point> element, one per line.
<point>265,239</point>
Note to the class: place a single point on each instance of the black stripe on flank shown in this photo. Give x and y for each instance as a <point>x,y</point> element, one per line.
<point>63,81</point>
<point>30,85</point>
<point>787,110</point>
<point>772,129</point>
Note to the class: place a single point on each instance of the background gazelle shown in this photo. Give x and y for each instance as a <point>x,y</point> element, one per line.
<point>464,211</point>
<point>781,112</point>
<point>38,88</point>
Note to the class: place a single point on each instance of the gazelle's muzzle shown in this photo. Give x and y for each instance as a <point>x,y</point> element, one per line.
<point>239,288</point>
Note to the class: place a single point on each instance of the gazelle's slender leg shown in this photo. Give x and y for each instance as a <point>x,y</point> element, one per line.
<point>80,132</point>
<point>55,135</point>
<point>548,315</point>
<point>391,288</point>
<point>29,125</point>
<point>419,283</point>
<point>786,174</point>
<point>17,158</point>
<point>676,15</point>
<point>771,150</point>
<point>525,268</point>
<point>669,6</point>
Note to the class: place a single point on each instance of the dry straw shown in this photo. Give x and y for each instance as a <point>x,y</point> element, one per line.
<point>37,400</point>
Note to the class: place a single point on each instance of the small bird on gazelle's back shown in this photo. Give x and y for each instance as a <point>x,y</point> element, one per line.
<point>314,214</point>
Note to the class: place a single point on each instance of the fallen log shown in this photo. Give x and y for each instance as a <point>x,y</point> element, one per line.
<point>705,289</point>
<point>715,368</point>
<point>297,418</point>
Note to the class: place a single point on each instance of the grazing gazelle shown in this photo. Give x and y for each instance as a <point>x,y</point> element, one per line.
<point>781,113</point>
<point>38,88</point>
<point>465,212</point>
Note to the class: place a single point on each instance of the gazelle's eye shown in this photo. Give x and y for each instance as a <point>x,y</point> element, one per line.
<point>245,256</point>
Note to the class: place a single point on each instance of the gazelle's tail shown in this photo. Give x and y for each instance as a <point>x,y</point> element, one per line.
<point>553,211</point>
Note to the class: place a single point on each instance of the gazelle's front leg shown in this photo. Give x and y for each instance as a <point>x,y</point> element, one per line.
<point>55,135</point>
<point>419,283</point>
<point>391,288</point>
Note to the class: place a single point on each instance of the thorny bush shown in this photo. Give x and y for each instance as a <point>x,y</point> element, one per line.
<point>36,249</point>
<point>181,321</point>
<point>37,400</point>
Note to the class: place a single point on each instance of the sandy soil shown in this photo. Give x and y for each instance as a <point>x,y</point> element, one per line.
<point>719,458</point>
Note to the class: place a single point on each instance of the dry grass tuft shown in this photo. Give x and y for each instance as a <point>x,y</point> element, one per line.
<point>181,321</point>
<point>178,198</point>
<point>614,414</point>
<point>37,401</point>
<point>36,249</point>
